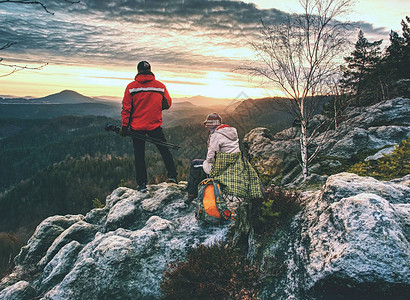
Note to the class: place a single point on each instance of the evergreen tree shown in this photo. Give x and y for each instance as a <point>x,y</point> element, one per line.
<point>360,78</point>
<point>396,63</point>
<point>398,53</point>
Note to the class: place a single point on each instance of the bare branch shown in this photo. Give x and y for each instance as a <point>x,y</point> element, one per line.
<point>17,68</point>
<point>319,146</point>
<point>7,45</point>
<point>36,3</point>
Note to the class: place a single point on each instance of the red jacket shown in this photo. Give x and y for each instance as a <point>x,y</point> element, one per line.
<point>144,100</point>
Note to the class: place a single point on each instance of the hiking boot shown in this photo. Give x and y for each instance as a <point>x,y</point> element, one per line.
<point>172,180</point>
<point>142,188</point>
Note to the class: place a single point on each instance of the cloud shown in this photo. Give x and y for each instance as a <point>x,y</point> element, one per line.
<point>369,28</point>
<point>177,35</point>
<point>184,82</point>
<point>183,15</point>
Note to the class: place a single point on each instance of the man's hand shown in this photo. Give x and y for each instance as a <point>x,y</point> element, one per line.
<point>123,131</point>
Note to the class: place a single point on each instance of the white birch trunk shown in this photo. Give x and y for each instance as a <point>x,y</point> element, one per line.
<point>303,149</point>
<point>336,112</point>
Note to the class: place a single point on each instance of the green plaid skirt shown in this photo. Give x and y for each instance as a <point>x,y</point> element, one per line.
<point>236,176</point>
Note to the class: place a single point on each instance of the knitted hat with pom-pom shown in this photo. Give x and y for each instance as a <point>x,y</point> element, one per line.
<point>213,120</point>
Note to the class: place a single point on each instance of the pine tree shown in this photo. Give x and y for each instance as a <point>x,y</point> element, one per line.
<point>397,60</point>
<point>362,63</point>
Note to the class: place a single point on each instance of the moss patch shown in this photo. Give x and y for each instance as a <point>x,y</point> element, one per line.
<point>326,167</point>
<point>388,167</point>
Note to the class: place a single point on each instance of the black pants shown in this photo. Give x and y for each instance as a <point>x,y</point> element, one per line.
<point>196,175</point>
<point>139,154</point>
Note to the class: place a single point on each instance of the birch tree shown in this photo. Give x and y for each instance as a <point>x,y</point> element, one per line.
<point>300,57</point>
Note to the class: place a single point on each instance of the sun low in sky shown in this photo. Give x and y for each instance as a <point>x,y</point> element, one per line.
<point>194,47</point>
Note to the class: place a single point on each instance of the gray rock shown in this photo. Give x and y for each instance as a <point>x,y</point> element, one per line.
<point>122,255</point>
<point>60,265</point>
<point>123,213</point>
<point>364,129</point>
<point>403,181</point>
<point>369,244</point>
<point>271,157</point>
<point>18,291</point>
<point>381,153</point>
<point>43,237</point>
<point>113,260</point>
<point>81,232</point>
<point>348,184</point>
<point>97,216</point>
<point>354,140</point>
<point>349,242</point>
<point>287,134</point>
<point>403,212</point>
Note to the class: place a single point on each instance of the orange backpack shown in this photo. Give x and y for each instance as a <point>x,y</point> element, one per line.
<point>211,203</point>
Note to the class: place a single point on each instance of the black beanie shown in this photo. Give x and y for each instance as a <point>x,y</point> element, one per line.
<point>143,67</point>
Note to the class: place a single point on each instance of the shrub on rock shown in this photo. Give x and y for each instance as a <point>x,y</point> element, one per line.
<point>211,272</point>
<point>388,167</point>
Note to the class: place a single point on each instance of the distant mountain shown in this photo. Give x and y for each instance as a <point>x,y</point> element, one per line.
<point>184,105</point>
<point>108,98</point>
<point>64,103</point>
<point>270,112</point>
<point>71,103</point>
<point>208,101</point>
<point>266,112</point>
<point>73,97</point>
<point>245,114</point>
<point>65,97</point>
<point>258,107</point>
<point>47,111</point>
<point>11,100</point>
<point>2,97</point>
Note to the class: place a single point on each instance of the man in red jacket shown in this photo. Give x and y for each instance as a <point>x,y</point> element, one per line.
<point>142,105</point>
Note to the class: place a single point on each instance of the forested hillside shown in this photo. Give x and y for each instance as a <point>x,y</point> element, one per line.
<point>30,145</point>
<point>66,187</point>
<point>41,111</point>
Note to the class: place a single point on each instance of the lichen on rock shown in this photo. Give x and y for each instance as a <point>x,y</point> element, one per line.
<point>349,242</point>
<point>116,252</point>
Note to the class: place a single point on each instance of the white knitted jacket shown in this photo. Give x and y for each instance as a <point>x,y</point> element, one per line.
<point>224,139</point>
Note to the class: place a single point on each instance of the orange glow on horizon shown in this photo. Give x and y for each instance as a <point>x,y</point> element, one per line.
<point>97,82</point>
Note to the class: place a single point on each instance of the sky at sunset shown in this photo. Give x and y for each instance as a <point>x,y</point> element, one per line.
<point>194,47</point>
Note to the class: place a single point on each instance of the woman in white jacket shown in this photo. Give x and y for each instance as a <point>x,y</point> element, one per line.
<point>222,138</point>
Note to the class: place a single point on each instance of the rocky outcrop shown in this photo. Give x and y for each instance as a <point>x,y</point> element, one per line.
<point>351,241</point>
<point>117,252</point>
<point>364,129</point>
